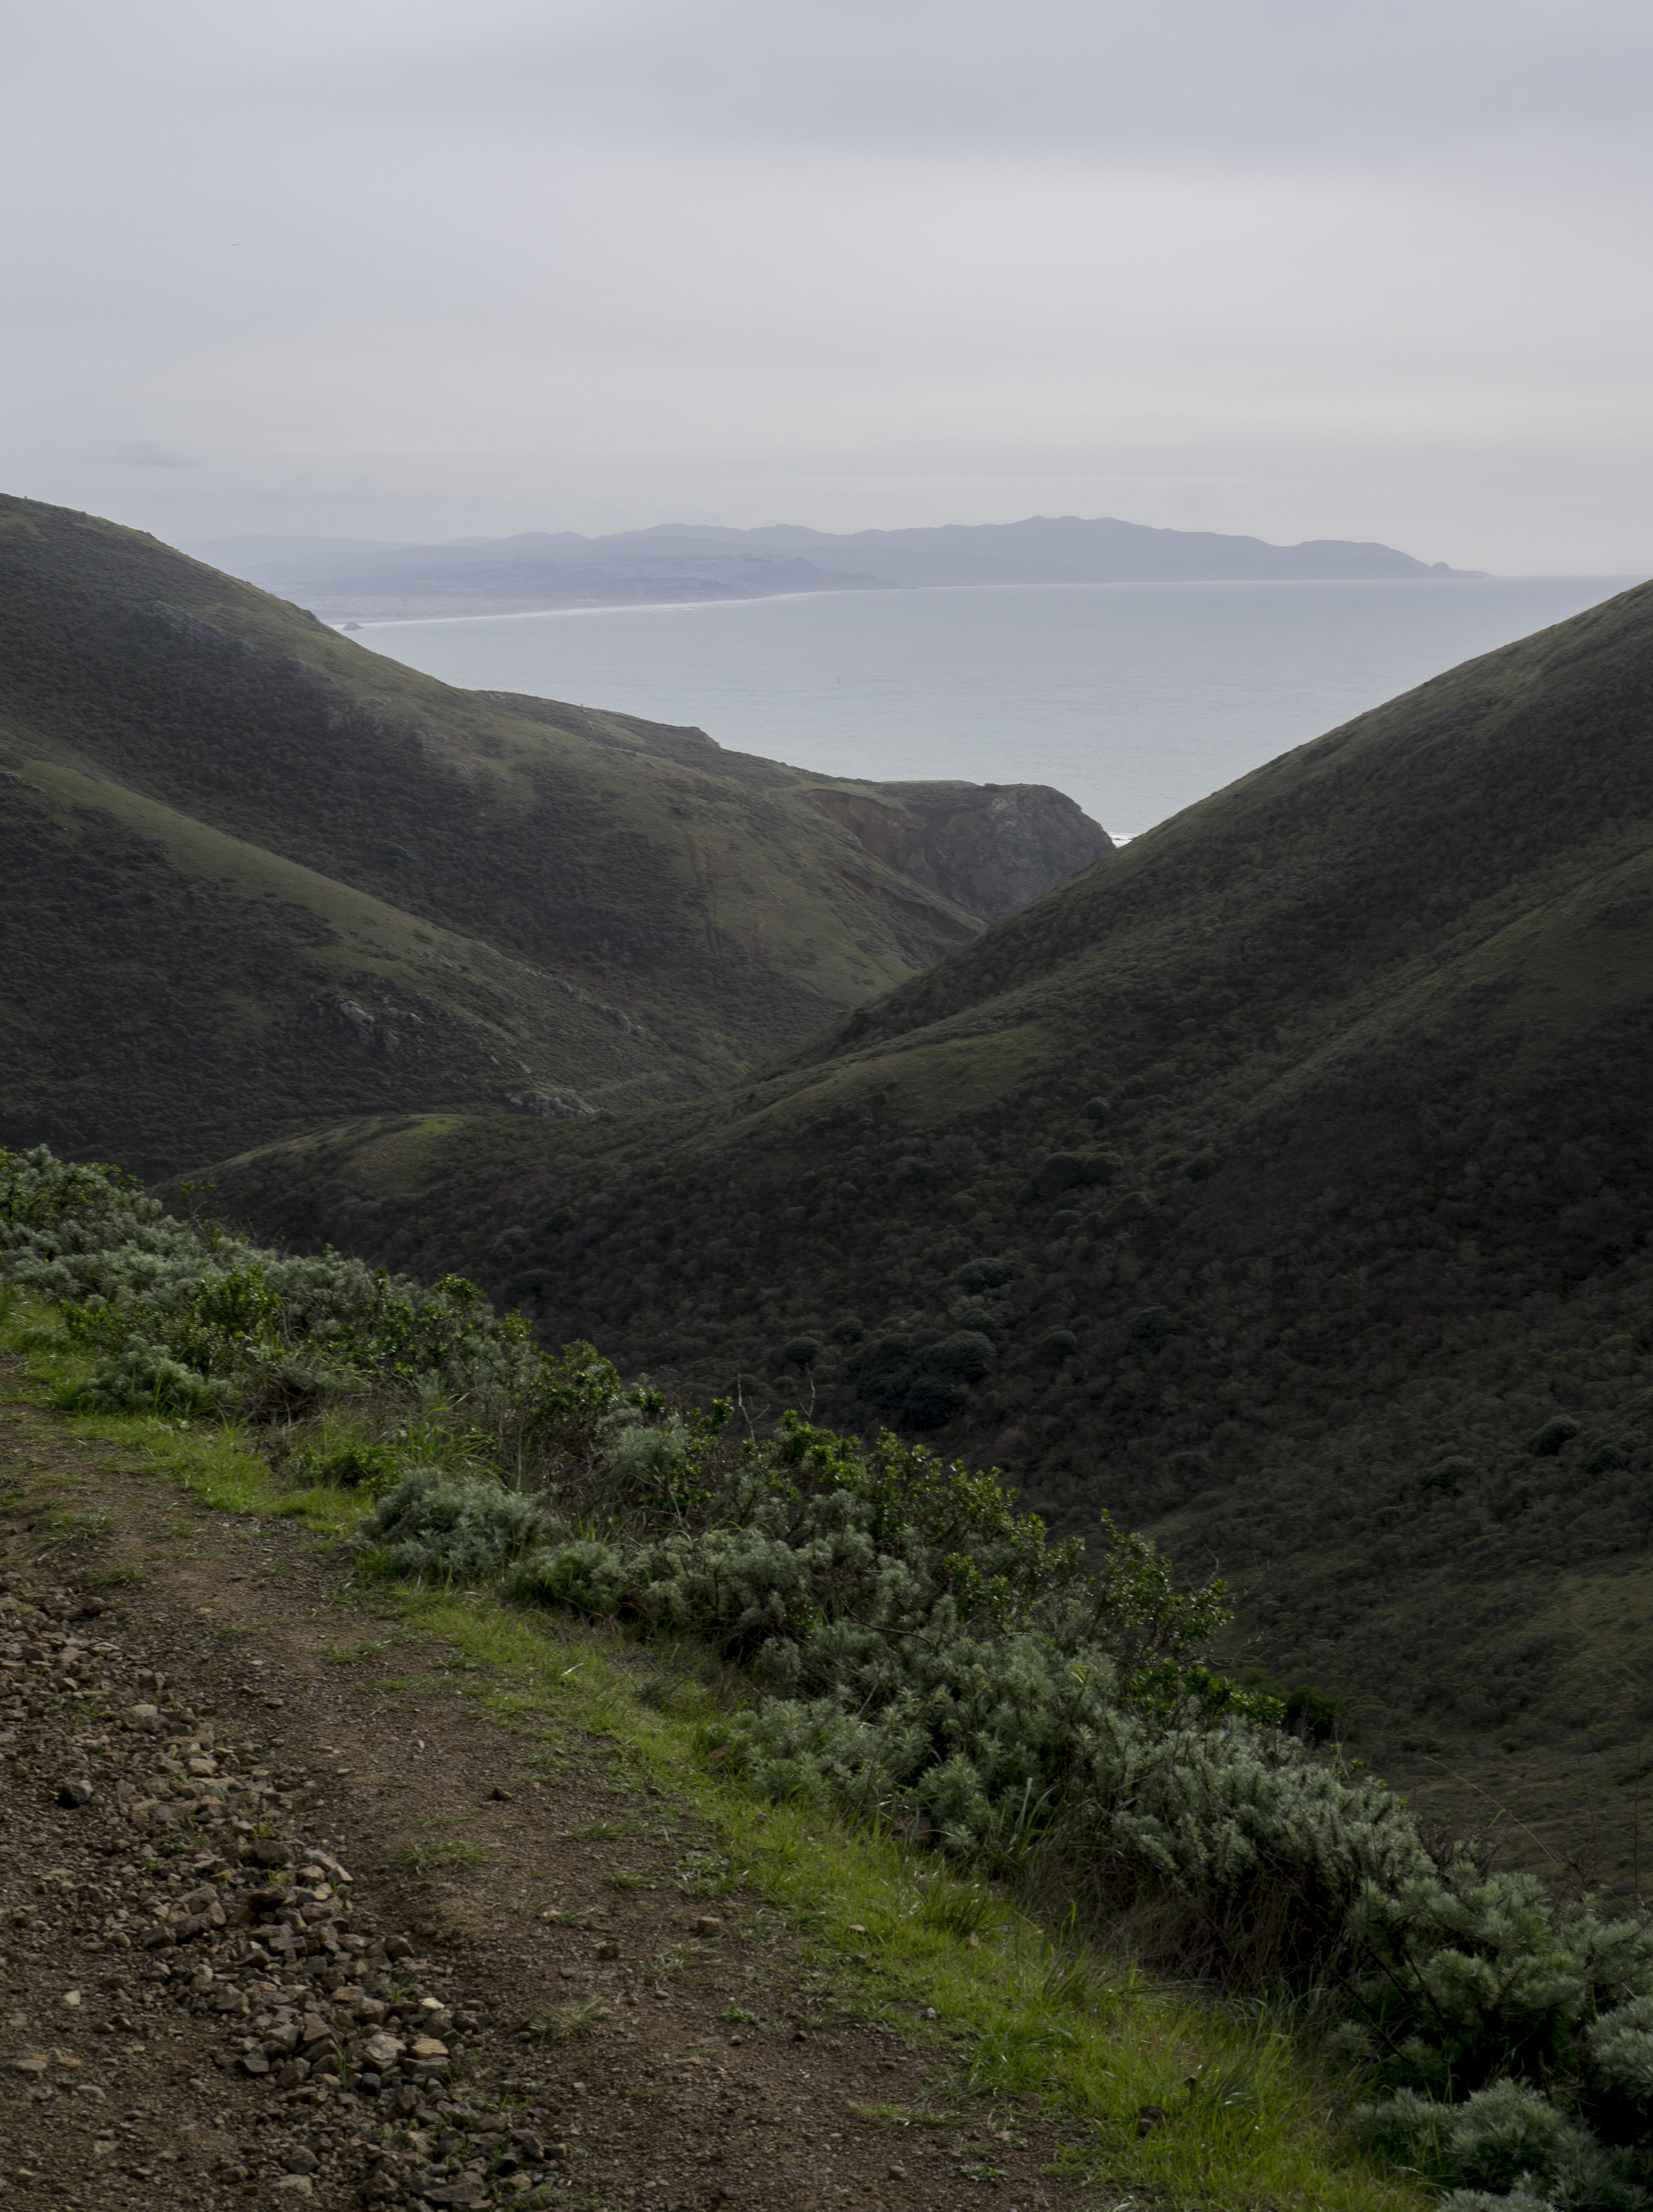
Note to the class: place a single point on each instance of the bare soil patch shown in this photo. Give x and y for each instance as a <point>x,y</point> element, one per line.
<point>614,2024</point>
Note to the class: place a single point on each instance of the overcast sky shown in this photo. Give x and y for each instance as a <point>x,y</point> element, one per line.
<point>423,268</point>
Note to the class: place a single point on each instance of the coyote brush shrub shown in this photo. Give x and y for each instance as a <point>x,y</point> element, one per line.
<point>433,1529</point>
<point>146,1380</point>
<point>967,1353</point>
<point>1554,1436</point>
<point>351,1467</point>
<point>1061,1171</point>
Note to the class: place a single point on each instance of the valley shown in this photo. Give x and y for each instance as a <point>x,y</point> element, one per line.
<point>1277,1185</point>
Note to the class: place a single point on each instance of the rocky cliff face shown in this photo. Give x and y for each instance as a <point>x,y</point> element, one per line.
<point>990,846</point>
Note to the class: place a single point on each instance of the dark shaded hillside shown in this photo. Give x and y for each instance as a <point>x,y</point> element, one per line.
<point>167,992</point>
<point>258,877</point>
<point>1285,1187</point>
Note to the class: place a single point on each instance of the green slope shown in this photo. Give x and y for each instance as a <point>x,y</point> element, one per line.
<point>255,877</point>
<point>1285,1187</point>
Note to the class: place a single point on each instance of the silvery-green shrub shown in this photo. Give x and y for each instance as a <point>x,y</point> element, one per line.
<point>432,1529</point>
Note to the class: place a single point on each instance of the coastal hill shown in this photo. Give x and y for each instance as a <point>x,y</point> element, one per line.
<point>346,579</point>
<point>1283,1185</point>
<point>254,878</point>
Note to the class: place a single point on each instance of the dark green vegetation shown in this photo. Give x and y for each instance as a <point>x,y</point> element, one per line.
<point>254,878</point>
<point>1283,1188</point>
<point>900,1640</point>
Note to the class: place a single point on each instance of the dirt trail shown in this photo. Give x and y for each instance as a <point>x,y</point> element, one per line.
<point>217,1970</point>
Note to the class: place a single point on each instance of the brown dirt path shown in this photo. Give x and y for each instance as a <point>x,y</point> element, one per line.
<point>612,2039</point>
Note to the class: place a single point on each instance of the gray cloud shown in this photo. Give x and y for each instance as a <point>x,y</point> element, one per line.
<point>145,454</point>
<point>412,268</point>
<point>1275,80</point>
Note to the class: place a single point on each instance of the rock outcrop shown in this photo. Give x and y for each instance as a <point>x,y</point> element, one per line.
<point>991,847</point>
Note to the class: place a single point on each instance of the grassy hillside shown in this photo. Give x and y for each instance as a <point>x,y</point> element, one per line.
<point>255,877</point>
<point>880,1642</point>
<point>1284,1187</point>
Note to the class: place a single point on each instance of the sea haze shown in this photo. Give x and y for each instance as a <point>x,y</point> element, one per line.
<point>1135,699</point>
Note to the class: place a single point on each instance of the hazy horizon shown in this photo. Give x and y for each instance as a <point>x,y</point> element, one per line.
<point>420,272</point>
<point>669,523</point>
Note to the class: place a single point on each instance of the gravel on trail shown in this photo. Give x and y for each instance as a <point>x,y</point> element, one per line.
<point>235,1968</point>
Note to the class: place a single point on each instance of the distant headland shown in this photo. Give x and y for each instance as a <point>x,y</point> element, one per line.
<point>360,580</point>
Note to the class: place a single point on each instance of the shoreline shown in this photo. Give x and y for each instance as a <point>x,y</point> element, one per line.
<point>350,624</point>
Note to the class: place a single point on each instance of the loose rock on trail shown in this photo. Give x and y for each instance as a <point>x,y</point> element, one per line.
<point>245,1957</point>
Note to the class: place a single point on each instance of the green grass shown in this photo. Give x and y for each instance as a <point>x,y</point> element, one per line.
<point>999,2005</point>
<point>425,1858</point>
<point>568,2023</point>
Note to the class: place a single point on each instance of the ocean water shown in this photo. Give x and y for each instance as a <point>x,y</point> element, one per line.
<point>1135,699</point>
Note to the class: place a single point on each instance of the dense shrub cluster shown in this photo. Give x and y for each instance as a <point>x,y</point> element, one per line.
<point>186,1322</point>
<point>914,1647</point>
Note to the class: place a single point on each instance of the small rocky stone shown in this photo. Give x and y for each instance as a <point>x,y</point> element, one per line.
<point>300,2161</point>
<point>77,1790</point>
<point>708,1924</point>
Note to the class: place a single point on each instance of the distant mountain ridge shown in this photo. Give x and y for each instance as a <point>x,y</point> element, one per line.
<point>360,580</point>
